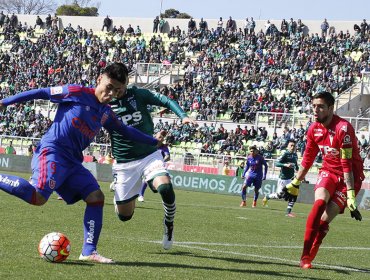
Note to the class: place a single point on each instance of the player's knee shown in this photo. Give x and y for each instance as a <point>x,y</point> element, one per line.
<point>38,199</point>
<point>167,193</point>
<point>38,202</point>
<point>324,226</point>
<point>165,188</point>
<point>95,197</point>
<point>125,218</point>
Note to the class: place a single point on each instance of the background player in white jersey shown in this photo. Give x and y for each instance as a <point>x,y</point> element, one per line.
<point>136,162</point>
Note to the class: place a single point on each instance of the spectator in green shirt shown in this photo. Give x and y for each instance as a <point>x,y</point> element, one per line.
<point>9,150</point>
<point>239,169</point>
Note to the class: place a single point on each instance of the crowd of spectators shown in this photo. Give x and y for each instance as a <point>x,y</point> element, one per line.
<point>227,69</point>
<point>218,140</point>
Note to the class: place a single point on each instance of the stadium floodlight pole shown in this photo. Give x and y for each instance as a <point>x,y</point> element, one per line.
<point>160,11</point>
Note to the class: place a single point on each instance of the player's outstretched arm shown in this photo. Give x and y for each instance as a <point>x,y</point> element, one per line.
<point>136,135</point>
<point>266,167</point>
<point>130,133</point>
<point>40,93</point>
<point>186,120</point>
<point>246,168</point>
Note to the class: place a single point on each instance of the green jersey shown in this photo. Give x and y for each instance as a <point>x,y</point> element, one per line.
<point>239,171</point>
<point>132,110</point>
<point>287,157</point>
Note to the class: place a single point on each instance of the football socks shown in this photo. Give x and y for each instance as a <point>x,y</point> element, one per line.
<point>312,225</point>
<point>18,187</point>
<point>93,221</point>
<point>168,200</point>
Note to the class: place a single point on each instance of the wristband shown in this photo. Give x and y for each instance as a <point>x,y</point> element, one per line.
<point>295,181</point>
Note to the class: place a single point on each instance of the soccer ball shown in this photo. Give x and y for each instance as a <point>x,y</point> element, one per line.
<point>54,247</point>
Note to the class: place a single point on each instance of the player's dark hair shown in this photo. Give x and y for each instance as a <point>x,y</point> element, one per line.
<point>327,96</point>
<point>116,71</point>
<point>254,147</point>
<point>292,141</point>
<point>163,132</point>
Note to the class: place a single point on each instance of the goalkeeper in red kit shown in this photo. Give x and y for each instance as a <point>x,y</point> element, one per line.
<point>339,179</point>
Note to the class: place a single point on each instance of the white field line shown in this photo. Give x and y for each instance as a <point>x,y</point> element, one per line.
<point>235,207</point>
<point>183,245</point>
<point>268,246</point>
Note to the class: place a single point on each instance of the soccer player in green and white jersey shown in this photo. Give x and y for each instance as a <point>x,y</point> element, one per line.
<point>288,162</point>
<point>136,162</point>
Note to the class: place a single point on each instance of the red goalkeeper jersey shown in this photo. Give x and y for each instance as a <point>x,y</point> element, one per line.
<point>338,145</point>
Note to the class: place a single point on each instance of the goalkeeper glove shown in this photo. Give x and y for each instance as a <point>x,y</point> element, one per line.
<point>291,190</point>
<point>293,187</point>
<point>352,205</point>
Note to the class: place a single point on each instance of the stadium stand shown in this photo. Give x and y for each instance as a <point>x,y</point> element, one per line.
<point>254,80</point>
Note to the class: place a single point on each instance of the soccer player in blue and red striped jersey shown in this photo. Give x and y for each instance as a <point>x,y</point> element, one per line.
<point>253,174</point>
<point>57,161</point>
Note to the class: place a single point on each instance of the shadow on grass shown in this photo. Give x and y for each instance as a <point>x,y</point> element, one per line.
<point>148,208</point>
<point>342,271</point>
<point>140,206</point>
<point>261,262</point>
<point>76,262</point>
<point>214,268</point>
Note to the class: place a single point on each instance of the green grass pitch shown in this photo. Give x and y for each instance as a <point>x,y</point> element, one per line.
<point>214,239</point>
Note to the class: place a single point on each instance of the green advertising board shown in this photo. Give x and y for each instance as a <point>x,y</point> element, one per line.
<point>229,185</point>
<point>182,180</point>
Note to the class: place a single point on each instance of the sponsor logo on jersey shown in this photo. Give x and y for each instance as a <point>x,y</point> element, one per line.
<point>347,140</point>
<point>317,132</point>
<point>134,117</point>
<point>104,118</point>
<point>87,108</point>
<point>329,151</point>
<point>84,128</point>
<point>346,153</point>
<point>56,90</point>
<point>133,104</point>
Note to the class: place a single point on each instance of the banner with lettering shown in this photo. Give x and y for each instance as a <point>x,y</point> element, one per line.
<point>229,185</point>
<point>190,181</point>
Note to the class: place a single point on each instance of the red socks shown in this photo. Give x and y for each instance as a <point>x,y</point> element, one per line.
<point>323,230</point>
<point>312,226</point>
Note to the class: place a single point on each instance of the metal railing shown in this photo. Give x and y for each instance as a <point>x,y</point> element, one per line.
<point>148,72</point>
<point>209,163</point>
<point>276,121</point>
<point>350,92</point>
<point>365,83</point>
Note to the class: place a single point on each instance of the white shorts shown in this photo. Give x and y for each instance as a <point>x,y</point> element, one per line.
<point>129,176</point>
<point>281,184</point>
